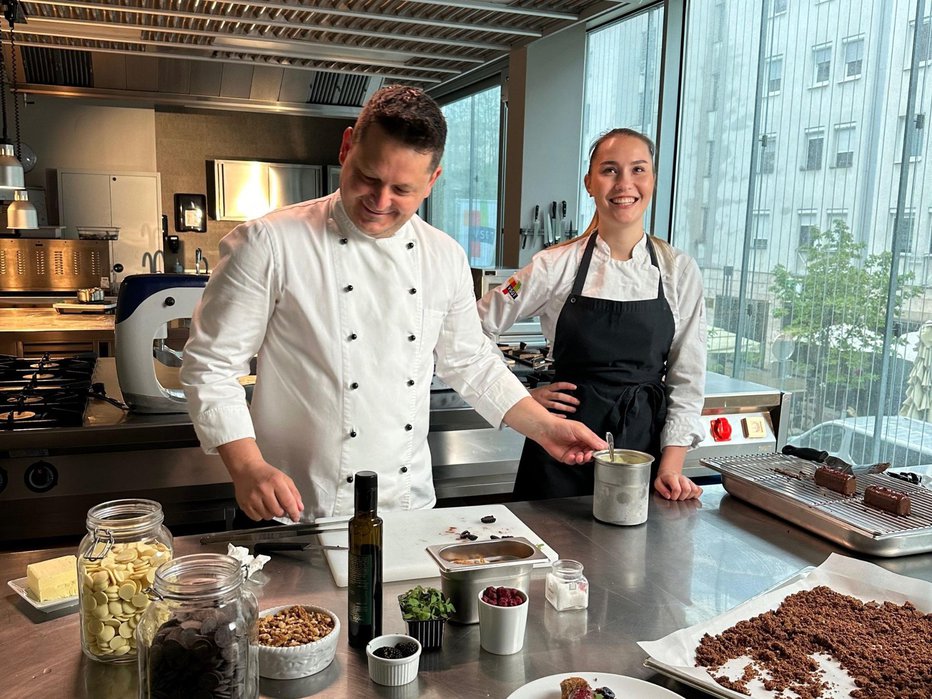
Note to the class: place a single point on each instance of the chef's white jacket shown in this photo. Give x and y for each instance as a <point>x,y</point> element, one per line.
<point>347,329</point>
<point>542,287</point>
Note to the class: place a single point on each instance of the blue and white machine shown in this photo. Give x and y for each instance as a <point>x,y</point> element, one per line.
<point>145,304</point>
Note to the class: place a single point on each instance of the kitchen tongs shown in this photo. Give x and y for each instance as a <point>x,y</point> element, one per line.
<point>272,534</point>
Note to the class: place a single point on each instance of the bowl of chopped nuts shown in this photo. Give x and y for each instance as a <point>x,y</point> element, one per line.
<point>296,640</point>
<point>394,659</point>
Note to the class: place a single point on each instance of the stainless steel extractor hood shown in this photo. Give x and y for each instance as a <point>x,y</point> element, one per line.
<point>323,58</point>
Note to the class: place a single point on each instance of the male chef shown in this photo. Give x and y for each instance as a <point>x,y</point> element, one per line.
<point>351,302</point>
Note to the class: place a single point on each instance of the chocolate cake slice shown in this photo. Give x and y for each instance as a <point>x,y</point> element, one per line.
<point>888,500</point>
<point>836,479</point>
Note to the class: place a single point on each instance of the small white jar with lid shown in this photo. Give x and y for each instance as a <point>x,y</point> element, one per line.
<point>567,587</point>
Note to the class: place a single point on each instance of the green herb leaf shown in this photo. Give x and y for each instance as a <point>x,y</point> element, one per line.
<point>421,604</point>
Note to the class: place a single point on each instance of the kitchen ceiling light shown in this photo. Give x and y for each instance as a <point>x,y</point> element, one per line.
<point>11,172</point>
<point>21,214</point>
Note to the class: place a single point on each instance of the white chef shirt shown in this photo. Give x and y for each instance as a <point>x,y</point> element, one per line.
<point>347,328</point>
<point>542,287</point>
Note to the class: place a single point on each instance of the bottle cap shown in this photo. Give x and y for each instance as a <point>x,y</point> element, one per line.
<point>367,490</point>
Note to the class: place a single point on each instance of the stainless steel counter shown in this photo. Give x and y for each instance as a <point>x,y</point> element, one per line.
<point>690,562</point>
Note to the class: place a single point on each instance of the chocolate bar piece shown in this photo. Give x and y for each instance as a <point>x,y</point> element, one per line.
<point>836,479</point>
<point>888,500</point>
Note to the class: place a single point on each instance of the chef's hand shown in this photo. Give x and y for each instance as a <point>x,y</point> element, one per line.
<point>568,441</point>
<point>552,396</point>
<point>262,491</point>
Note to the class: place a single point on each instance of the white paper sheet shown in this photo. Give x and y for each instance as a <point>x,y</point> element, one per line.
<point>848,576</point>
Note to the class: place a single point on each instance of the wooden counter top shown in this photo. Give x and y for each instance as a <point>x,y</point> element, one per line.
<point>32,320</point>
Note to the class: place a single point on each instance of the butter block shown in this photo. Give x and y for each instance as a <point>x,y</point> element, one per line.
<point>53,579</point>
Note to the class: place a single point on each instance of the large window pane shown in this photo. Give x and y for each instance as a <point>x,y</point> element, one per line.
<point>841,213</point>
<point>622,86</point>
<point>464,202</point>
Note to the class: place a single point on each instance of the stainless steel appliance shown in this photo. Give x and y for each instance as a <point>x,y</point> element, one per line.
<point>471,458</point>
<point>485,278</point>
<point>37,393</point>
<point>784,486</point>
<point>53,265</point>
<point>51,475</point>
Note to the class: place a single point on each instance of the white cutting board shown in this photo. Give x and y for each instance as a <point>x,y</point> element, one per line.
<point>407,534</point>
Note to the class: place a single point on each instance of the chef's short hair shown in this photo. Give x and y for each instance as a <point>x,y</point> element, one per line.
<point>408,115</point>
<point>624,132</point>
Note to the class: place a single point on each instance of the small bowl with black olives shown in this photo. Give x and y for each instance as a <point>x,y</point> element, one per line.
<point>394,659</point>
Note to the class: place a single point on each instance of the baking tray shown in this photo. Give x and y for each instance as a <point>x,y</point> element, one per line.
<point>842,519</point>
<point>710,686</point>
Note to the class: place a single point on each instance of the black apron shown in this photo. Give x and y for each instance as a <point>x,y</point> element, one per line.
<point>616,354</point>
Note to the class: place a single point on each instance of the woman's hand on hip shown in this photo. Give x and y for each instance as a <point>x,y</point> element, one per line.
<point>552,397</point>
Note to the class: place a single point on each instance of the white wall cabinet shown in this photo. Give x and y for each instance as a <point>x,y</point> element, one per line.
<point>130,201</point>
<point>245,190</point>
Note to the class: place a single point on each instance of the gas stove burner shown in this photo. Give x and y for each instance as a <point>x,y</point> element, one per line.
<point>54,391</point>
<point>23,399</point>
<point>47,366</point>
<point>17,416</point>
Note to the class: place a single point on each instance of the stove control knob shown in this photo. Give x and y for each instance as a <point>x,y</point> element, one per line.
<point>4,479</point>
<point>41,477</point>
<point>721,429</point>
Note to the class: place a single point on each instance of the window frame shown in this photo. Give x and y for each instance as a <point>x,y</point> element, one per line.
<point>812,133</point>
<point>827,46</point>
<point>845,42</point>
<point>850,129</point>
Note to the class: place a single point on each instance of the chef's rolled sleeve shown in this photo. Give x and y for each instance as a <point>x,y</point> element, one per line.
<point>685,380</point>
<point>227,329</point>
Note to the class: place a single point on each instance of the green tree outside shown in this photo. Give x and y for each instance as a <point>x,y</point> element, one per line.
<point>836,312</point>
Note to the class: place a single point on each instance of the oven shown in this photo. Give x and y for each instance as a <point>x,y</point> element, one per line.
<point>473,459</point>
<point>68,443</point>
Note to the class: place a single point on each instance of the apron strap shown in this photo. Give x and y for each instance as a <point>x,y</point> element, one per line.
<point>583,270</point>
<point>653,261</point>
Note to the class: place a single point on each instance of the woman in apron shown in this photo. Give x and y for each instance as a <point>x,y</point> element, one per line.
<point>625,317</point>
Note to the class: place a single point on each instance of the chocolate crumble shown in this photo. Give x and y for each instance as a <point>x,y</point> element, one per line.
<point>886,648</point>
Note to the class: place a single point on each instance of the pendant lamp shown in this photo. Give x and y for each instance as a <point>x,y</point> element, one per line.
<point>11,171</point>
<point>21,214</point>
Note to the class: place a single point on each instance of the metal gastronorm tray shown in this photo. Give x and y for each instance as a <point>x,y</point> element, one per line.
<point>846,520</point>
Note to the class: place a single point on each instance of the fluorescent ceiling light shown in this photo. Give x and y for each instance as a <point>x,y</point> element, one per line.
<point>97,32</point>
<point>310,49</point>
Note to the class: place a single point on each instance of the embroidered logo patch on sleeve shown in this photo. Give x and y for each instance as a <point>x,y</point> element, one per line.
<point>511,288</point>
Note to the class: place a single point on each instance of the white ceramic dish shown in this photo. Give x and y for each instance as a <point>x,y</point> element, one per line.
<point>392,672</point>
<point>549,687</point>
<point>20,587</point>
<point>298,661</point>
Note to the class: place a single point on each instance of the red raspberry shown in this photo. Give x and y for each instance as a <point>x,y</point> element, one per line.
<point>502,596</point>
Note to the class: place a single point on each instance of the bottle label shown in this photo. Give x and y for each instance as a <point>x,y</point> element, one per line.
<point>360,578</point>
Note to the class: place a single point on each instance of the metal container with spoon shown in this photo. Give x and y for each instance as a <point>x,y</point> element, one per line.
<point>622,485</point>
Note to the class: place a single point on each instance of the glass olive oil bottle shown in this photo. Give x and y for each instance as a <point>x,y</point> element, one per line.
<point>365,563</point>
